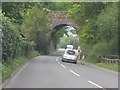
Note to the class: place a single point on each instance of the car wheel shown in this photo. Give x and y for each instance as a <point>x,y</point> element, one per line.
<point>62,60</point>
<point>75,62</point>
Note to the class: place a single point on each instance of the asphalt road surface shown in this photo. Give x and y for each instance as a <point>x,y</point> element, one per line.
<point>51,72</point>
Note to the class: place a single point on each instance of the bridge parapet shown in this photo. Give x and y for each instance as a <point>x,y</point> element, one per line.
<point>59,18</point>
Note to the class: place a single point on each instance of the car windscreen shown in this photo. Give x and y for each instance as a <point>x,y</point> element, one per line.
<point>70,52</point>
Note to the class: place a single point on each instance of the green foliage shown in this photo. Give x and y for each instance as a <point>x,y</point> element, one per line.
<point>19,34</point>
<point>99,28</point>
<point>110,66</point>
<point>38,30</point>
<point>107,27</point>
<point>33,54</point>
<point>68,41</point>
<point>58,6</point>
<point>81,12</point>
<point>57,35</point>
<point>6,71</point>
<point>16,10</point>
<point>88,33</point>
<point>103,49</point>
<point>13,44</point>
<point>107,22</point>
<point>13,64</point>
<point>11,10</point>
<point>10,39</point>
<point>63,6</point>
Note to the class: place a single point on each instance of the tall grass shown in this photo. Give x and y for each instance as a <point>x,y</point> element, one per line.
<point>11,65</point>
<point>103,48</point>
<point>109,66</point>
<point>94,53</point>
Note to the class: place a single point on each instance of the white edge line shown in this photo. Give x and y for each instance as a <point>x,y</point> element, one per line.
<point>58,62</point>
<point>57,59</point>
<point>62,65</point>
<point>74,73</point>
<point>17,73</point>
<point>95,84</point>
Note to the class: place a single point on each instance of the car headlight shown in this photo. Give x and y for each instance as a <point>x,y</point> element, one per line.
<point>64,56</point>
<point>75,58</point>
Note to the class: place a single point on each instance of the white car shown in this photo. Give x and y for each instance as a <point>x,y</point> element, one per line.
<point>70,55</point>
<point>69,47</point>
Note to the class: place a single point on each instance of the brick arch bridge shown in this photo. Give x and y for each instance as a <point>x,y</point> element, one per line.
<point>59,19</point>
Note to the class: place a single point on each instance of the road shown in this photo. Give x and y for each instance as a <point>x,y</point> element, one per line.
<point>51,72</point>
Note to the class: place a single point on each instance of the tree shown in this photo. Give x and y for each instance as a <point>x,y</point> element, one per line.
<point>13,44</point>
<point>107,22</point>
<point>81,12</point>
<point>98,28</point>
<point>36,27</point>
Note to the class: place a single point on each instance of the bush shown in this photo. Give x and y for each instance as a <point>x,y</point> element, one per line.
<point>33,53</point>
<point>39,29</point>
<point>102,49</point>
<point>13,44</point>
<point>13,64</point>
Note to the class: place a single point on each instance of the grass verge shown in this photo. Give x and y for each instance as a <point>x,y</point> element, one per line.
<point>8,68</point>
<point>108,66</point>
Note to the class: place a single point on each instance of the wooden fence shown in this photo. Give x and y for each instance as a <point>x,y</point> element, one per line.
<point>107,60</point>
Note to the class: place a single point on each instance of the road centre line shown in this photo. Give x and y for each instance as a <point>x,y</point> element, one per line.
<point>57,60</point>
<point>60,63</point>
<point>79,75</point>
<point>74,73</point>
<point>95,84</point>
<point>65,67</point>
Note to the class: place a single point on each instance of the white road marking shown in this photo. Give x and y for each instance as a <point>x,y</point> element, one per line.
<point>79,75</point>
<point>62,65</point>
<point>17,73</point>
<point>59,63</point>
<point>57,59</point>
<point>95,84</point>
<point>65,67</point>
<point>74,73</point>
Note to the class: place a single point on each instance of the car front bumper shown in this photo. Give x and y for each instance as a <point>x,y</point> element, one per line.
<point>69,60</point>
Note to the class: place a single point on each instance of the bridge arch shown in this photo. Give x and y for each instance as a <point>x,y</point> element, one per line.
<point>58,21</point>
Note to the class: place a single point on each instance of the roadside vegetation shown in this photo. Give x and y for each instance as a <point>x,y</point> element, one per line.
<point>12,64</point>
<point>99,28</point>
<point>108,66</point>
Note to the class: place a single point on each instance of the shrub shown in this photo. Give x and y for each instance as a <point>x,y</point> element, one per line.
<point>102,49</point>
